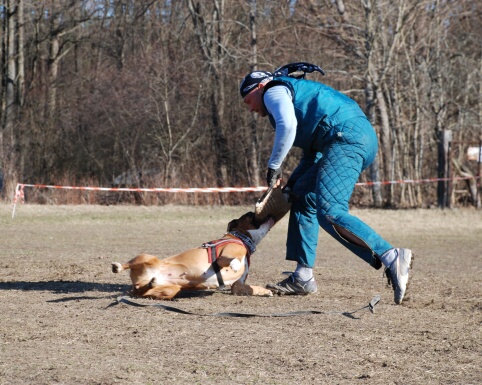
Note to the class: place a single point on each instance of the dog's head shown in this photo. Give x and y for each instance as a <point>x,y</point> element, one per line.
<point>244,223</point>
<point>248,225</point>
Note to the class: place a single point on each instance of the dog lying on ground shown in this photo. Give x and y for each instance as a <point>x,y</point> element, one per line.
<point>213,265</point>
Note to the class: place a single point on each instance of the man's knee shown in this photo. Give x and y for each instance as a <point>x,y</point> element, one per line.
<point>329,214</point>
<point>304,203</point>
<point>324,219</point>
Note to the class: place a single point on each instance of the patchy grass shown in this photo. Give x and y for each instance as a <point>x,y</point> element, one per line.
<point>58,325</point>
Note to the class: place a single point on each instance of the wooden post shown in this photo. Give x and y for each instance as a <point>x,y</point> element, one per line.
<point>445,137</point>
<point>479,175</point>
<point>449,184</point>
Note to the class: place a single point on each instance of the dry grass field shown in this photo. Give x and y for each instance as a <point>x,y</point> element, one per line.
<point>60,324</point>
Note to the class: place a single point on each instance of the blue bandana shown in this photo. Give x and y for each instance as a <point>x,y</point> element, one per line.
<point>251,80</point>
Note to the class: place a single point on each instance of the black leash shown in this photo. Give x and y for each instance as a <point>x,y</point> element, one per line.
<point>371,306</point>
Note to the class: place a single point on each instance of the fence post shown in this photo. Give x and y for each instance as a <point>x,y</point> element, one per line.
<point>479,176</point>
<point>445,137</point>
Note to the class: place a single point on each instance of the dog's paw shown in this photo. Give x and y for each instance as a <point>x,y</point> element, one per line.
<point>116,267</point>
<point>153,282</point>
<point>235,265</point>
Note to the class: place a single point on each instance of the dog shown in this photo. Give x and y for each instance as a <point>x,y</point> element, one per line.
<point>211,266</point>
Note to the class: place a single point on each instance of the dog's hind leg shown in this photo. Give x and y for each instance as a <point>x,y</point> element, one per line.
<point>163,292</point>
<point>138,262</point>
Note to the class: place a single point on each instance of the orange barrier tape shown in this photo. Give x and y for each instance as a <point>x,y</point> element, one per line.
<point>157,189</point>
<point>19,193</point>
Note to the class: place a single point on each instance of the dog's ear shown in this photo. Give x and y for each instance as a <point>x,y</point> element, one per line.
<point>232,224</point>
<point>246,221</point>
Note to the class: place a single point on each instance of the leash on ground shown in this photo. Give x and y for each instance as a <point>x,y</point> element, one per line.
<point>371,306</point>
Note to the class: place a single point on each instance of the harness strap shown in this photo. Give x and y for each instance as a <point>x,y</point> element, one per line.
<point>212,248</point>
<point>217,270</point>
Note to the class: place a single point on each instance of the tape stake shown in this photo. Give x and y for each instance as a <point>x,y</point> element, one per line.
<point>19,195</point>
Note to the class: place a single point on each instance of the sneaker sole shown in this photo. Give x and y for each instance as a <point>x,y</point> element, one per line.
<point>280,293</point>
<point>274,290</point>
<point>410,275</point>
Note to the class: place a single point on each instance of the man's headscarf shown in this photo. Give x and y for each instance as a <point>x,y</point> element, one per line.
<point>251,80</point>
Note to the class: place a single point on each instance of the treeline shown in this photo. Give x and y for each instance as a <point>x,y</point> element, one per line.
<point>145,93</point>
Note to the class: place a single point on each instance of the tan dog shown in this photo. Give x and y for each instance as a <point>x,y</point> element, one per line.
<point>207,267</point>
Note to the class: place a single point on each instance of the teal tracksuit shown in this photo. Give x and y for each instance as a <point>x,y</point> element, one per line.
<point>338,143</point>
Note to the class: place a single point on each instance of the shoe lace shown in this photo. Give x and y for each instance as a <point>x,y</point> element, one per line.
<point>288,283</point>
<point>291,279</point>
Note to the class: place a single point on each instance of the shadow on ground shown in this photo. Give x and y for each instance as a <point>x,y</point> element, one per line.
<point>63,286</point>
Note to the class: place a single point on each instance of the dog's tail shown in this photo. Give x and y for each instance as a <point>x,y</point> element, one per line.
<point>118,267</point>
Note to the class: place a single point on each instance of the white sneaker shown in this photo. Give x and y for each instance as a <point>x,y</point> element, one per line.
<point>397,273</point>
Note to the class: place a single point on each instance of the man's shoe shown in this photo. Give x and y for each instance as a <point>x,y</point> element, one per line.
<point>397,273</point>
<point>294,286</point>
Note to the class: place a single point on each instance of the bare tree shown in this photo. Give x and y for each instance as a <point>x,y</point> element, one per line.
<point>94,89</point>
<point>253,169</point>
<point>211,35</point>
<point>11,82</point>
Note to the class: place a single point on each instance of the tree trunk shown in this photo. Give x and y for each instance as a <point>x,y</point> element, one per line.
<point>211,43</point>
<point>253,162</point>
<point>385,144</point>
<point>21,56</point>
<point>9,102</point>
<point>54,51</point>
<point>375,166</point>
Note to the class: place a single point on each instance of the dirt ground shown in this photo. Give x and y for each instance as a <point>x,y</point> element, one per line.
<point>60,324</point>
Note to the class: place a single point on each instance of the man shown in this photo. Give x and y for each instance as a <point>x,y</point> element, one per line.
<point>338,143</point>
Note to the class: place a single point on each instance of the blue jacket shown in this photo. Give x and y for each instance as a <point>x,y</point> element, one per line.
<point>318,109</point>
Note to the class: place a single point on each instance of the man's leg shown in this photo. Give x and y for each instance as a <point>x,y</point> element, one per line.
<point>303,229</point>
<point>344,158</point>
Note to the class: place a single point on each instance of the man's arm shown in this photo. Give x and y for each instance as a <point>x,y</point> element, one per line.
<point>279,104</point>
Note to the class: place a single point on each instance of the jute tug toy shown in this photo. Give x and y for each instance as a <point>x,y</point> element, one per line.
<point>273,203</point>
